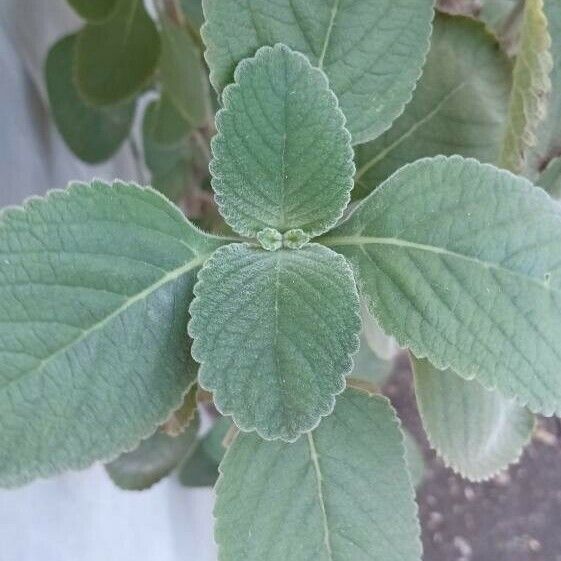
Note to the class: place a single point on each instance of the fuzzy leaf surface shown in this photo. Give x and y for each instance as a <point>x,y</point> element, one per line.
<point>530,88</point>
<point>93,133</point>
<point>372,52</point>
<point>282,158</point>
<point>459,261</point>
<point>549,131</point>
<point>476,432</point>
<point>155,458</point>
<point>95,283</point>
<point>115,59</point>
<point>459,105</point>
<point>340,493</point>
<point>274,332</point>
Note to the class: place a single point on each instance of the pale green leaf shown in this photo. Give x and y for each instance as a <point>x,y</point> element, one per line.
<point>371,51</point>
<point>92,133</point>
<point>155,458</point>
<point>341,493</point>
<point>200,469</point>
<point>549,131</point>
<point>193,9</point>
<point>182,72</point>
<point>368,366</point>
<point>384,346</point>
<point>459,261</point>
<point>282,158</point>
<point>183,416</point>
<point>414,458</point>
<point>550,178</point>
<point>94,10</point>
<point>531,85</point>
<point>458,107</point>
<point>476,432</point>
<point>95,284</point>
<point>274,332</point>
<point>115,59</point>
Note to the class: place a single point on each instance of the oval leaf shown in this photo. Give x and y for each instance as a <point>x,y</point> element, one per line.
<point>459,261</point>
<point>155,457</point>
<point>459,105</point>
<point>282,158</point>
<point>476,432</point>
<point>274,331</point>
<point>340,493</point>
<point>114,60</point>
<point>95,283</point>
<point>372,52</point>
<point>92,133</point>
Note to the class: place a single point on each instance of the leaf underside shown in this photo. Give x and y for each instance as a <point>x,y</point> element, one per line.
<point>95,284</point>
<point>341,493</point>
<point>460,262</point>
<point>155,458</point>
<point>531,85</point>
<point>476,432</point>
<point>282,158</point>
<point>372,52</point>
<point>274,332</point>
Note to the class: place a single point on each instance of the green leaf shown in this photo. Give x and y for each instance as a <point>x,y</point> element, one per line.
<point>550,178</point>
<point>165,137</point>
<point>340,493</point>
<point>155,458</point>
<point>459,261</point>
<point>94,10</point>
<point>381,344</point>
<point>168,150</point>
<point>274,332</point>
<point>476,432</point>
<point>94,134</point>
<point>184,416</point>
<point>414,459</point>
<point>282,158</point>
<point>531,85</point>
<point>372,52</point>
<point>369,367</point>
<point>115,59</point>
<point>182,72</point>
<point>549,131</point>
<point>95,283</point>
<point>193,9</point>
<point>459,105</point>
<point>200,469</point>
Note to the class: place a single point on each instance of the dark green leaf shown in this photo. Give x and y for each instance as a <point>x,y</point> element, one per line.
<point>115,59</point>
<point>94,10</point>
<point>93,133</point>
<point>155,457</point>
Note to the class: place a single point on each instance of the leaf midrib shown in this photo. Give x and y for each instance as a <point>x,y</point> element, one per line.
<point>314,457</point>
<point>145,293</point>
<point>361,241</point>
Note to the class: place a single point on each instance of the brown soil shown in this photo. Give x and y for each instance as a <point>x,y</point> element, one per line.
<point>516,516</point>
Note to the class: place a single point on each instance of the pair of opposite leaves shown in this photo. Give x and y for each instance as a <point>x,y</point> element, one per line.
<point>457,259</point>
